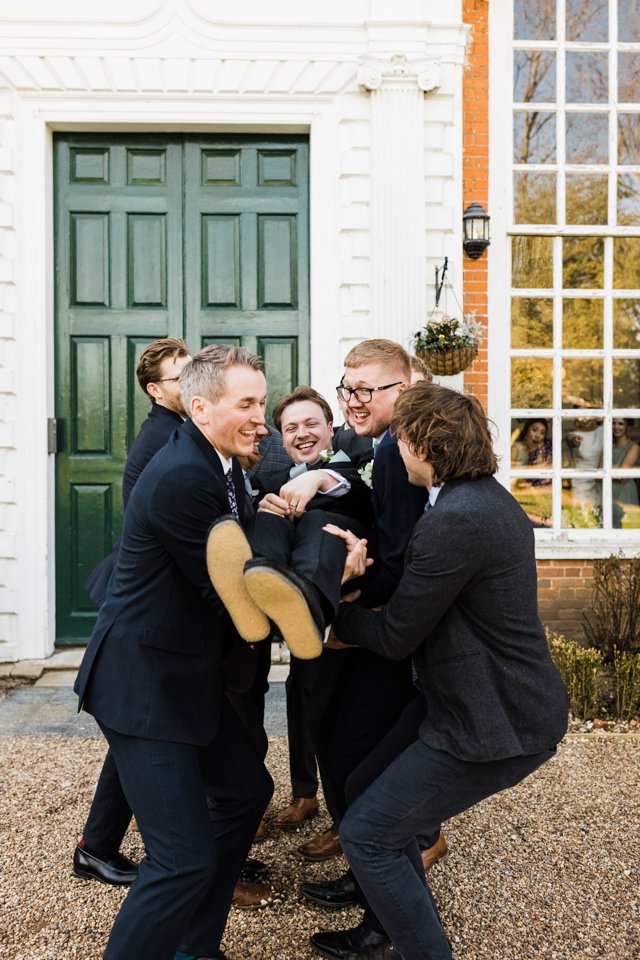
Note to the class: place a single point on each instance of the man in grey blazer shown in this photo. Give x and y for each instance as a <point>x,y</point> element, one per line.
<point>493,706</point>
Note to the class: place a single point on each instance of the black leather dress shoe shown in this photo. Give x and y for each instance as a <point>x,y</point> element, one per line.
<point>117,870</point>
<point>332,893</point>
<point>336,944</point>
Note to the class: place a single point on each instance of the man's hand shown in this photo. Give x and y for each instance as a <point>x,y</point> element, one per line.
<point>357,560</point>
<point>272,503</point>
<point>301,490</point>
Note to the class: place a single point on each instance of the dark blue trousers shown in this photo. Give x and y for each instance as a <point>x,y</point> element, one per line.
<point>197,809</point>
<point>417,791</point>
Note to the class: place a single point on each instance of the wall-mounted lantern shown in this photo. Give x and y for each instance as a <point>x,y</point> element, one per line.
<point>475,224</point>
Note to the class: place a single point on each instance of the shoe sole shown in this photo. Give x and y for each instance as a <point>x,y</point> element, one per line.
<point>227,552</point>
<point>86,875</point>
<point>330,906</point>
<point>283,603</point>
<point>317,859</point>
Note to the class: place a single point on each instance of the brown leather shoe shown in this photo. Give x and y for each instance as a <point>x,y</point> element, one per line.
<point>261,832</point>
<point>299,810</point>
<point>251,896</point>
<point>323,847</point>
<point>435,853</point>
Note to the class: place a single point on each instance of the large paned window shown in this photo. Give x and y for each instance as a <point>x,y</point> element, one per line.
<point>575,267</point>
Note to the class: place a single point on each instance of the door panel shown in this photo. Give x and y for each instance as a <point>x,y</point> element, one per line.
<point>204,238</point>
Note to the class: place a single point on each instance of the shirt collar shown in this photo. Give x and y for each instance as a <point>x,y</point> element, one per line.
<point>434,493</point>
<point>226,464</point>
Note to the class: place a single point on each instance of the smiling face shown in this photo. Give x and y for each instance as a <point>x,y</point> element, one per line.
<point>619,428</point>
<point>305,431</point>
<point>373,418</point>
<point>232,422</point>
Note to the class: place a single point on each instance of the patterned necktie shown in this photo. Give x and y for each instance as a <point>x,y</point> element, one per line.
<point>231,494</point>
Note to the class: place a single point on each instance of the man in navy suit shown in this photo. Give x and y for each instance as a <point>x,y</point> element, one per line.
<point>152,677</point>
<point>97,854</point>
<point>492,706</point>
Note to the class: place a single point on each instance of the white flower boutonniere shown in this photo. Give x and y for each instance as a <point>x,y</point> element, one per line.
<point>366,474</point>
<point>325,456</point>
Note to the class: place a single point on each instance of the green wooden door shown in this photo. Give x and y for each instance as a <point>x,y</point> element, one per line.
<point>200,237</point>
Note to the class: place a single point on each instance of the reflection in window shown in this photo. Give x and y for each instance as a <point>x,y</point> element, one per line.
<point>587,20</point>
<point>628,70</point>
<point>531,322</point>
<point>583,442</point>
<point>582,262</point>
<point>626,382</point>
<point>534,136</point>
<point>626,263</point>
<point>587,78</point>
<point>587,138</point>
<point>532,262</point>
<point>531,444</point>
<point>625,453</point>
<point>628,21</point>
<point>629,199</point>
<point>531,382</point>
<point>629,138</point>
<point>534,197</point>
<point>534,19</point>
<point>534,500</point>
<point>534,76</point>
<point>582,324</point>
<point>587,197</point>
<point>582,382</point>
<point>626,324</point>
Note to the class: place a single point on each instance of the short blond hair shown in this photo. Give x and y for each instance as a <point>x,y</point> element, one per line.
<point>388,352</point>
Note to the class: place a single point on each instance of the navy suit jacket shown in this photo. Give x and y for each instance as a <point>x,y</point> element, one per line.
<point>397,507</point>
<point>466,608</point>
<point>153,434</point>
<point>153,664</point>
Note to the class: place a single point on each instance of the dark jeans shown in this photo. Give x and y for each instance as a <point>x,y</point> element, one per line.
<point>197,809</point>
<point>419,790</point>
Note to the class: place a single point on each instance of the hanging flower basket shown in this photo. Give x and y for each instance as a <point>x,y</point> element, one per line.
<point>447,362</point>
<point>447,344</point>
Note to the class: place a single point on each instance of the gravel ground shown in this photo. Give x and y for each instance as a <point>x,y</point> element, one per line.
<point>548,870</point>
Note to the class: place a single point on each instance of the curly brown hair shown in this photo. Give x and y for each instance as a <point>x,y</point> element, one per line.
<point>300,393</point>
<point>452,428</point>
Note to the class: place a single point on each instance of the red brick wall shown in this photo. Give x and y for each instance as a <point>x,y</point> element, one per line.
<point>475,174</point>
<point>564,592</point>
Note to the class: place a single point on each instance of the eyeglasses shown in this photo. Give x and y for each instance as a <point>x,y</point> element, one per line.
<point>362,394</point>
<point>168,380</point>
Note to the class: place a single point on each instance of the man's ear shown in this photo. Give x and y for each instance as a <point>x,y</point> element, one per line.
<point>154,391</point>
<point>423,454</point>
<point>403,386</point>
<point>198,409</point>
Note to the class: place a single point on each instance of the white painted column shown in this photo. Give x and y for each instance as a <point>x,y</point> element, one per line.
<point>398,283</point>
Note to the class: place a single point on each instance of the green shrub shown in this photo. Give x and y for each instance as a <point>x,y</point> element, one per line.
<point>581,672</point>
<point>626,683</point>
<point>614,619</point>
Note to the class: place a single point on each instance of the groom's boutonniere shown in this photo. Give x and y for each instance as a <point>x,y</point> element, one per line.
<point>366,474</point>
<point>325,456</point>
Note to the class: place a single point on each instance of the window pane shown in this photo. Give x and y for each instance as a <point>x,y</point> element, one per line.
<point>587,78</point>
<point>582,504</point>
<point>587,138</point>
<point>626,382</point>
<point>534,197</point>
<point>587,20</point>
<point>531,382</point>
<point>534,20</point>
<point>629,138</point>
<point>582,382</point>
<point>587,197</point>
<point>625,490</point>
<point>628,71</point>
<point>626,263</point>
<point>629,198</point>
<point>535,500</point>
<point>582,262</point>
<point>532,262</point>
<point>534,76</point>
<point>628,20</point>
<point>531,322</point>
<point>532,443</point>
<point>534,137</point>
<point>626,324</point>
<point>582,324</point>
<point>582,445</point>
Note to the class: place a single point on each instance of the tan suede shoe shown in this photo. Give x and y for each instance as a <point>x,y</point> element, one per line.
<point>299,810</point>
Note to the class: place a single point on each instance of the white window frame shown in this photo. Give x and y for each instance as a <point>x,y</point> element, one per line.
<point>556,543</point>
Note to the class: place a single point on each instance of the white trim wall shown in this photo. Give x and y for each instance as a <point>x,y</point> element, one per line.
<point>206,67</point>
